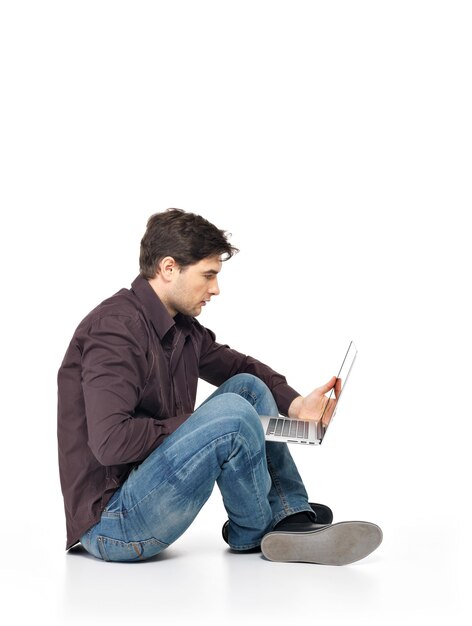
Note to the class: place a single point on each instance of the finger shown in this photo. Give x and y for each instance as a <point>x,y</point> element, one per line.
<point>337,387</point>
<point>328,409</point>
<point>328,386</point>
<point>328,413</point>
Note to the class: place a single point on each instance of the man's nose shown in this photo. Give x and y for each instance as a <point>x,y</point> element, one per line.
<point>215,288</point>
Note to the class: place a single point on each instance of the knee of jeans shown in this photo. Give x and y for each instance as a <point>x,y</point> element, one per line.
<point>252,388</point>
<point>235,414</point>
<point>247,419</point>
<point>249,380</point>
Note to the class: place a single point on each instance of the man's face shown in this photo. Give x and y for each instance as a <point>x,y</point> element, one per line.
<point>193,286</point>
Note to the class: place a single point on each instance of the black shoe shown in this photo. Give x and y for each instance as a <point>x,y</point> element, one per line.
<point>305,521</point>
<point>224,532</point>
<point>322,515</point>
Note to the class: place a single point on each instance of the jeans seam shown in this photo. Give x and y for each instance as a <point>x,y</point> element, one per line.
<point>252,474</point>
<point>277,485</point>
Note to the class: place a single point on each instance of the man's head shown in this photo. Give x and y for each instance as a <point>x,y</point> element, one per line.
<point>186,237</point>
<point>181,255</point>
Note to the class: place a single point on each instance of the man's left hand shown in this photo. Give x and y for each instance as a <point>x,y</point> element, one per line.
<point>316,405</point>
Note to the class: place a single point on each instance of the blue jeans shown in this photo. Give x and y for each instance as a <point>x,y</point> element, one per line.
<point>222,442</point>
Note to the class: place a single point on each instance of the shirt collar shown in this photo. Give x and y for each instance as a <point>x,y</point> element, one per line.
<point>156,311</point>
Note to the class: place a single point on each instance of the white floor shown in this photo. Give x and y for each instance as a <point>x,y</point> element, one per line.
<point>418,573</point>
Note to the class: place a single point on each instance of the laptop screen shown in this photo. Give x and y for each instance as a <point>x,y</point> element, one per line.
<point>342,378</point>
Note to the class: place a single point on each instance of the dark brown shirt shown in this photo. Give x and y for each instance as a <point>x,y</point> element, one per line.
<point>127,381</point>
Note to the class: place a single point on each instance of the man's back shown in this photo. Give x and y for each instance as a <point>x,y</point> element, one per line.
<point>114,372</point>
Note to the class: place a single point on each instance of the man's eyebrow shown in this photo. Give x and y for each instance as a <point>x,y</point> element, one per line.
<point>210,272</point>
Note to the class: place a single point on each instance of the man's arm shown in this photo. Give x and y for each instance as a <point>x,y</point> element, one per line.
<point>114,374</point>
<point>219,362</point>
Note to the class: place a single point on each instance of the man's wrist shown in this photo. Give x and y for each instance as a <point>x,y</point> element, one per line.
<point>294,408</point>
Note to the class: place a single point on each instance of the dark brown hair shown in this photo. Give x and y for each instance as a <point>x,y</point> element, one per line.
<point>186,237</point>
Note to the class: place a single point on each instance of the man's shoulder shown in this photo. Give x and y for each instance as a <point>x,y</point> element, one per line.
<point>115,320</point>
<point>122,306</point>
<point>124,302</point>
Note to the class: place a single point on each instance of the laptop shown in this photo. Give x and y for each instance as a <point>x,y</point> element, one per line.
<point>284,429</point>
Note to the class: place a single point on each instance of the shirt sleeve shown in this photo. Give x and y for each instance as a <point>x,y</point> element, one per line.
<point>219,362</point>
<point>114,374</point>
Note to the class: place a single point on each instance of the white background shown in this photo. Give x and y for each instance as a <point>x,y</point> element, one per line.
<point>333,140</point>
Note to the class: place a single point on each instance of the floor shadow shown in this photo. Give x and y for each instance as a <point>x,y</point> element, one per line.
<point>168,554</point>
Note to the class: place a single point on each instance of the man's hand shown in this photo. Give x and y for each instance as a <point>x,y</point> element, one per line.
<point>312,406</point>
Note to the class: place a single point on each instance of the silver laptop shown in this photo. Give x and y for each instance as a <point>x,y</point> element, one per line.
<point>288,430</point>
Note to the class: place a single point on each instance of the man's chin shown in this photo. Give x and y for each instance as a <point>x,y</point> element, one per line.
<point>195,312</point>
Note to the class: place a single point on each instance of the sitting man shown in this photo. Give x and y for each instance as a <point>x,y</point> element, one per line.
<point>138,462</point>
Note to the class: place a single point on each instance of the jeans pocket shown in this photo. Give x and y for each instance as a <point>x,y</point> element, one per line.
<point>116,550</point>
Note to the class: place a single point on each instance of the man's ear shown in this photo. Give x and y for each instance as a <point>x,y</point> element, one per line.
<point>168,268</point>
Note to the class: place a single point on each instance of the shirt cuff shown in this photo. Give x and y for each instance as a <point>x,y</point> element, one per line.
<point>284,395</point>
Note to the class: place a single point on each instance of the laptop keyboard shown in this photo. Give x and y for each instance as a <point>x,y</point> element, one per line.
<point>280,427</point>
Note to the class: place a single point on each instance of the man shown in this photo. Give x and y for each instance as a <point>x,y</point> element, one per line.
<point>137,461</point>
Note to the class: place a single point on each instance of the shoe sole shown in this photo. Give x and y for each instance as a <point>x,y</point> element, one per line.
<point>338,544</point>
